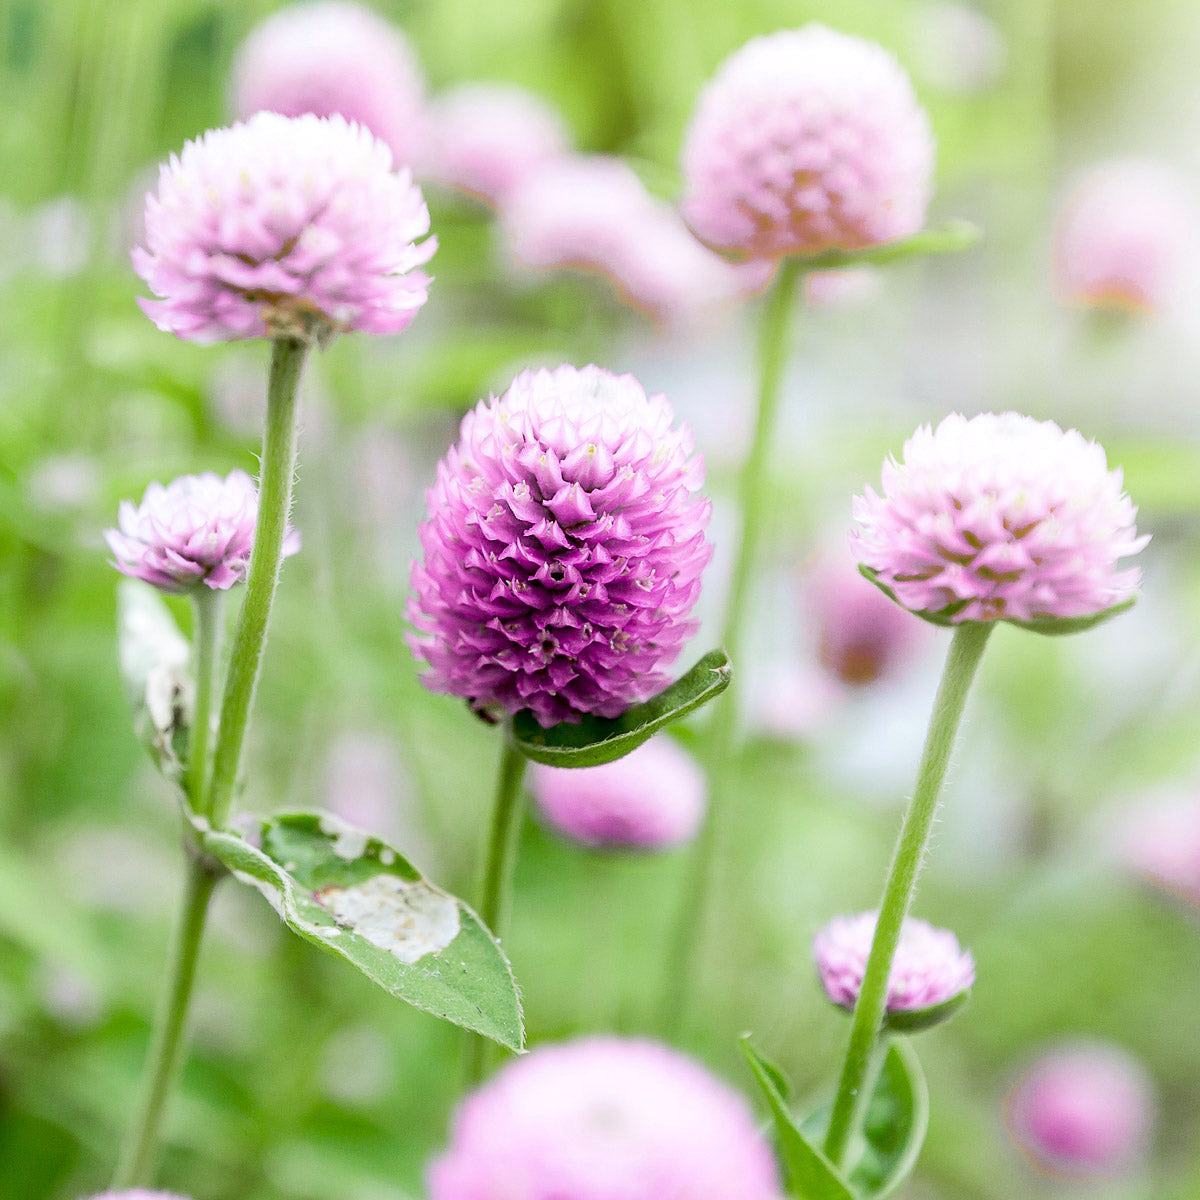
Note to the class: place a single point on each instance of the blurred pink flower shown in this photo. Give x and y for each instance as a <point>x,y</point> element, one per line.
<point>485,138</point>
<point>199,529</point>
<point>1124,236</point>
<point>930,968</point>
<point>1085,1109</point>
<point>563,550</point>
<point>283,226</point>
<point>956,47</point>
<point>844,287</point>
<point>604,1119</point>
<point>651,799</point>
<point>807,140</point>
<point>1000,518</point>
<point>334,57</point>
<point>1161,841</point>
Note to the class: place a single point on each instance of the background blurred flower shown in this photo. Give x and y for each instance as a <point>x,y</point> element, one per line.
<point>284,227</point>
<point>334,57</point>
<point>1160,839</point>
<point>807,140</point>
<point>930,968</point>
<point>1085,1110</point>
<point>956,47</point>
<point>833,289</point>
<point>563,549</point>
<point>1000,518</point>
<point>651,799</point>
<point>199,529</point>
<point>601,1118</point>
<point>1124,237</point>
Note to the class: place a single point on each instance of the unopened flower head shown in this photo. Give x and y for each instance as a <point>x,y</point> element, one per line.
<point>284,227</point>
<point>1161,841</point>
<point>807,140</point>
<point>1085,1109</point>
<point>333,57</point>
<point>930,969</point>
<point>651,799</point>
<point>602,1118</point>
<point>199,529</point>
<point>486,138</point>
<point>563,550</point>
<point>1000,518</point>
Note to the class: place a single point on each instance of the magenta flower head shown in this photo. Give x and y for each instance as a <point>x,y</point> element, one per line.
<point>199,529</point>
<point>1161,841</point>
<point>651,799</point>
<point>563,549</point>
<point>1000,518</point>
<point>1123,236</point>
<point>807,140</point>
<point>1085,1110</point>
<point>333,57</point>
<point>284,227</point>
<point>931,976</point>
<point>485,138</point>
<point>604,1118</point>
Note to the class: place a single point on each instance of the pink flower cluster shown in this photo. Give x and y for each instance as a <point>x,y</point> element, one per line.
<point>199,529</point>
<point>651,799</point>
<point>929,969</point>
<point>1000,518</point>
<point>604,1119</point>
<point>293,227</point>
<point>807,140</point>
<point>563,550</point>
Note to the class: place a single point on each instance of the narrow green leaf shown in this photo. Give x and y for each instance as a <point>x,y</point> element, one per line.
<point>357,897</point>
<point>810,1175</point>
<point>914,1020</point>
<point>895,1125</point>
<point>598,740</point>
<point>950,239</point>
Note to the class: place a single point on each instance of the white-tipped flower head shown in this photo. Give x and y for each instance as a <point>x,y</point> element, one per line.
<point>284,227</point>
<point>199,529</point>
<point>1000,518</point>
<point>807,140</point>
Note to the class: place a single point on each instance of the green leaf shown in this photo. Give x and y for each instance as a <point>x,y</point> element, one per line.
<point>358,898</point>
<point>598,740</point>
<point>951,239</point>
<point>895,1125</point>
<point>810,1175</point>
<point>914,1020</point>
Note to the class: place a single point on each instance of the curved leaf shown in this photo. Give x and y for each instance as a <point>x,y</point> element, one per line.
<point>597,740</point>
<point>895,1126</point>
<point>950,239</point>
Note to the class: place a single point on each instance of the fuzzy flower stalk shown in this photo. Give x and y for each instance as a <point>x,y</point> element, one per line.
<point>993,518</point>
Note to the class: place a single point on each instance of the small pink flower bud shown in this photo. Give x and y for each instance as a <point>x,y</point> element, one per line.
<point>931,974</point>
<point>601,1118</point>
<point>199,529</point>
<point>999,518</point>
<point>1083,1110</point>
<point>651,799</point>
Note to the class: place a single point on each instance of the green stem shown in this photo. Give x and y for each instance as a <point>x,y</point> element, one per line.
<point>139,1152</point>
<point>683,962</point>
<point>966,649</point>
<point>500,860</point>
<point>274,506</point>
<point>206,647</point>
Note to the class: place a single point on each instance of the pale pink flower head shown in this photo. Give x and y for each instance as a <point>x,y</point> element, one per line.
<point>563,550</point>
<point>198,530</point>
<point>931,974</point>
<point>1000,518</point>
<point>604,1118</point>
<point>333,57</point>
<point>1085,1109</point>
<point>651,799</point>
<point>807,140</point>
<point>1161,841</point>
<point>1123,237</point>
<point>485,138</point>
<point>284,227</point>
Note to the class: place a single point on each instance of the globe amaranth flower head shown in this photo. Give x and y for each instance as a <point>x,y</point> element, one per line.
<point>1000,518</point>
<point>604,1118</point>
<point>930,977</point>
<point>1084,1109</point>
<point>199,529</point>
<point>807,140</point>
<point>284,227</point>
<point>651,799</point>
<point>334,57</point>
<point>563,549</point>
